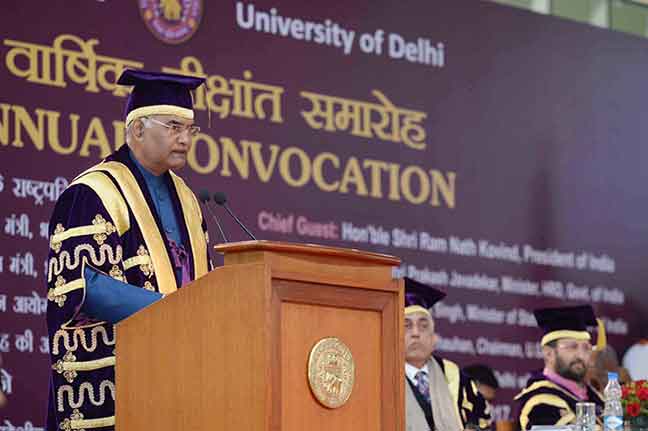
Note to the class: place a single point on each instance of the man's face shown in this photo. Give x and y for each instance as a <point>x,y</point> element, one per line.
<point>420,338</point>
<point>570,358</point>
<point>160,148</point>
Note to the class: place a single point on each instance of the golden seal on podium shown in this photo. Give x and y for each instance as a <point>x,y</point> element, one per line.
<point>331,372</point>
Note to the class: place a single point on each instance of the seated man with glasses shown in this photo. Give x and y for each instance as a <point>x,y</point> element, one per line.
<point>124,234</point>
<point>551,395</point>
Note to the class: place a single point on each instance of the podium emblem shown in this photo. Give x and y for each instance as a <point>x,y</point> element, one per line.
<point>331,372</point>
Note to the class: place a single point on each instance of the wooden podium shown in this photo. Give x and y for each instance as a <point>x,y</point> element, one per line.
<point>230,352</point>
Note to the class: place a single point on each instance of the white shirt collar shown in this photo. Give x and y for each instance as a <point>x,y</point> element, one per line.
<point>411,371</point>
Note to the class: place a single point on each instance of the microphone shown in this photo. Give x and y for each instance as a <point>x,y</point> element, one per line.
<point>221,200</point>
<point>204,197</point>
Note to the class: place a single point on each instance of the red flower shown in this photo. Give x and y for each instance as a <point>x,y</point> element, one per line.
<point>633,409</point>
<point>625,391</point>
<point>642,393</point>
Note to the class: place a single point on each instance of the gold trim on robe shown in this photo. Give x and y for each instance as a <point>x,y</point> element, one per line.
<point>135,261</point>
<point>146,222</point>
<point>92,423</point>
<point>109,196</point>
<point>453,376</point>
<point>536,400</point>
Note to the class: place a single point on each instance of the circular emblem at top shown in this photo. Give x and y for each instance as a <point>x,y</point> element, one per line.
<point>171,21</point>
<point>331,372</point>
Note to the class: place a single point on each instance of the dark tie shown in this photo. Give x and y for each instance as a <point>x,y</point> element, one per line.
<point>423,385</point>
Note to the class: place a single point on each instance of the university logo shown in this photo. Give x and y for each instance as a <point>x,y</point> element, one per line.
<point>172,21</point>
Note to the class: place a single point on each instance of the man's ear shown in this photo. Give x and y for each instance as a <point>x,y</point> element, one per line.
<point>138,129</point>
<point>435,339</point>
<point>549,355</point>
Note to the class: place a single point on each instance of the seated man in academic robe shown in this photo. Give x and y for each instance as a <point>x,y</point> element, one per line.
<point>438,396</point>
<point>125,233</point>
<point>551,395</point>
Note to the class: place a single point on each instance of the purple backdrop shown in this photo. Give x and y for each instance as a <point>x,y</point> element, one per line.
<point>513,181</point>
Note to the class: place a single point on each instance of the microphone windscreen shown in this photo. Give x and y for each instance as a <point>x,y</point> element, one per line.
<point>203,195</point>
<point>220,198</point>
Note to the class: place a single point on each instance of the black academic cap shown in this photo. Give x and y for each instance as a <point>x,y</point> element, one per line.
<point>565,322</point>
<point>420,297</point>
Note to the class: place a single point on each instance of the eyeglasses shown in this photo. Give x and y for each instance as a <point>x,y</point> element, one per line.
<point>176,129</point>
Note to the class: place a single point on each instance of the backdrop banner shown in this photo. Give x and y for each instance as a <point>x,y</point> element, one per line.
<point>498,152</point>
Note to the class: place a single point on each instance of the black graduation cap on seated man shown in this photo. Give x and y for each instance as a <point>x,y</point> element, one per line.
<point>156,93</point>
<point>419,297</point>
<point>565,322</point>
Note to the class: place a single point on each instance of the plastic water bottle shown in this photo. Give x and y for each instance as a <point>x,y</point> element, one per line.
<point>613,411</point>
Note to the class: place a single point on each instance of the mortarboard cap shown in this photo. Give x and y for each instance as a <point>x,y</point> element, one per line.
<point>565,322</point>
<point>419,297</point>
<point>157,93</point>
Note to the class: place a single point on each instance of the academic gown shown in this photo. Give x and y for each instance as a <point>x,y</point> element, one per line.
<point>106,221</point>
<point>543,402</point>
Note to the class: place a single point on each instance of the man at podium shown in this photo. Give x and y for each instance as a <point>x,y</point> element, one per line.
<point>125,233</point>
<point>551,395</point>
<point>438,396</point>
